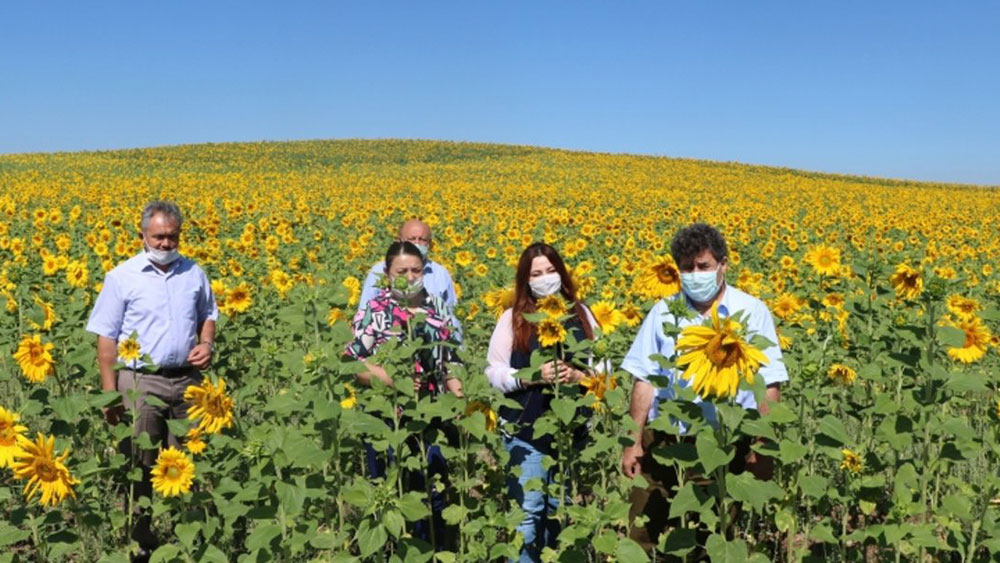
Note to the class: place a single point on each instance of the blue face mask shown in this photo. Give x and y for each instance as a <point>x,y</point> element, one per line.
<point>700,287</point>
<point>423,248</point>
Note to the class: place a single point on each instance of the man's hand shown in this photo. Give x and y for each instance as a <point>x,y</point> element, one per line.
<point>200,356</point>
<point>632,459</point>
<point>114,414</point>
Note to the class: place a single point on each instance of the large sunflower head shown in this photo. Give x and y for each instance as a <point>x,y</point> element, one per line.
<point>238,300</point>
<point>210,406</point>
<point>552,305</point>
<point>977,340</point>
<point>193,441</point>
<point>550,332</point>
<point>597,385</point>
<point>77,274</point>
<point>607,316</point>
<point>282,281</point>
<point>825,260</point>
<point>907,281</point>
<point>490,416</point>
<point>173,473</point>
<point>841,374</point>
<point>633,316</point>
<point>351,400</point>
<point>499,300</point>
<point>717,356</point>
<point>34,358</point>
<point>353,285</point>
<point>335,314</point>
<point>10,434</point>
<point>36,461</point>
<point>658,279</point>
<point>851,461</point>
<point>786,305</point>
<point>961,306</point>
<point>128,349</point>
<point>49,317</point>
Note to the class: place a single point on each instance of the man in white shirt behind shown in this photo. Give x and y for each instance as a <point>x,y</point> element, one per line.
<point>436,278</point>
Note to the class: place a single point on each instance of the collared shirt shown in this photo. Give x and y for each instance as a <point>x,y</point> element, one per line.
<point>164,309</point>
<point>651,339</point>
<point>437,281</point>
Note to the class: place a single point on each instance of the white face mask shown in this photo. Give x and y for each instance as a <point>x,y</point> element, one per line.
<point>424,249</point>
<point>546,285</point>
<point>162,257</point>
<point>700,287</point>
<point>411,289</point>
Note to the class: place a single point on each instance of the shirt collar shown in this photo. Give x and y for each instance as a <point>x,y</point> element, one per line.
<point>146,264</point>
<point>723,304</point>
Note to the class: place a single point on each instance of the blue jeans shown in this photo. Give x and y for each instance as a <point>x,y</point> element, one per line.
<point>537,528</point>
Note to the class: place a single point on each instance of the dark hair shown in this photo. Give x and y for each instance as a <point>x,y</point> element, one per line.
<point>524,301</point>
<point>695,239</point>
<point>401,248</point>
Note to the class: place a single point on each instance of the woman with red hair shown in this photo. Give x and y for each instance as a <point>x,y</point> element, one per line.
<point>541,273</point>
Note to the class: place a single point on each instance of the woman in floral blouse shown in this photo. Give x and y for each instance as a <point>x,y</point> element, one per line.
<point>406,311</point>
<point>388,315</point>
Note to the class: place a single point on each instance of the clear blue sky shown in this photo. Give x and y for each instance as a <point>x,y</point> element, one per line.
<point>907,89</point>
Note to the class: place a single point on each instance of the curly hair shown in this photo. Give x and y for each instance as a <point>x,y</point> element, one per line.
<point>695,239</point>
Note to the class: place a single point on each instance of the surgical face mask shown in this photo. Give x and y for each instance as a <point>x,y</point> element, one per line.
<point>408,291</point>
<point>424,249</point>
<point>700,287</point>
<point>546,285</point>
<point>162,257</point>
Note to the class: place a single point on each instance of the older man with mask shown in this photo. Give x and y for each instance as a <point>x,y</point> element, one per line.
<point>436,278</point>
<point>702,257</point>
<point>166,300</point>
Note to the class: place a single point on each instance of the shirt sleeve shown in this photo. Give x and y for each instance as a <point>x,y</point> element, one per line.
<point>361,347</point>
<point>648,341</point>
<point>368,290</point>
<point>207,309</point>
<point>447,312</point>
<point>602,367</point>
<point>762,323</point>
<point>109,310</point>
<point>451,299</point>
<point>498,369</point>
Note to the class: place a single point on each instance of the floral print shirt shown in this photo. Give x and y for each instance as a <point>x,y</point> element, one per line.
<point>383,318</point>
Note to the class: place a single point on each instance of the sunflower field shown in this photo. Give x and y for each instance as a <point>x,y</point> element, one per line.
<point>886,443</point>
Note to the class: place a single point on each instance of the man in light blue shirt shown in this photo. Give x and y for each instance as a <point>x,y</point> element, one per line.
<point>436,278</point>
<point>167,302</point>
<point>702,257</point>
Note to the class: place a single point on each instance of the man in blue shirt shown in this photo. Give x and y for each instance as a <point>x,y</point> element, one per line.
<point>437,280</point>
<point>167,301</point>
<point>702,257</point>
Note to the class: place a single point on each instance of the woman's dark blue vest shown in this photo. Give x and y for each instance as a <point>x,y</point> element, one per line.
<point>536,399</point>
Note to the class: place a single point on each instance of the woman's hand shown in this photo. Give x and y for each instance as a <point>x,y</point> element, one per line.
<point>549,372</point>
<point>560,372</point>
<point>569,374</point>
<point>374,371</point>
